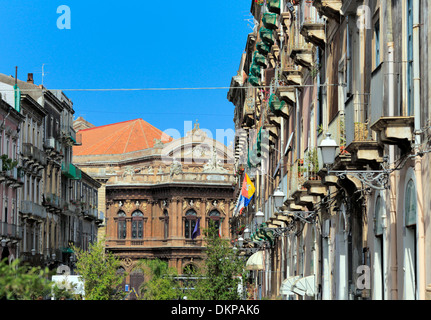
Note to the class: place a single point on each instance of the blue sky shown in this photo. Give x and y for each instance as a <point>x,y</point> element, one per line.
<point>131,44</point>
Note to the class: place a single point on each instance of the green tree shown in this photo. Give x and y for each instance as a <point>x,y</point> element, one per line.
<point>162,283</point>
<point>222,273</point>
<point>21,282</point>
<point>99,271</point>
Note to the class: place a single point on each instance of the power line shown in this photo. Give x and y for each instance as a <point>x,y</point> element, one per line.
<point>174,89</point>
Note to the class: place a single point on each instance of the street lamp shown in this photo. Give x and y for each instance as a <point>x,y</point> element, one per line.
<point>278,202</point>
<point>328,146</point>
<point>259,217</point>
<point>278,198</point>
<point>376,179</point>
<point>240,241</point>
<point>246,233</point>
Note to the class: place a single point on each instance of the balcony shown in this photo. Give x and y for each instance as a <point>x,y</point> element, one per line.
<point>10,231</point>
<point>70,171</point>
<point>343,159</point>
<point>90,213</point>
<point>291,72</point>
<point>49,143</point>
<point>391,130</point>
<point>297,191</point>
<point>395,131</point>
<point>329,8</point>
<point>269,20</point>
<point>68,133</point>
<point>27,152</point>
<point>52,202</point>
<point>298,49</point>
<point>248,113</point>
<point>278,107</point>
<point>33,156</point>
<point>273,6</point>
<point>32,209</point>
<point>312,27</point>
<point>359,143</point>
<point>313,182</point>
<point>14,177</point>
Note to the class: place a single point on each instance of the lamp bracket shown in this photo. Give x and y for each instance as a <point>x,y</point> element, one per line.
<point>376,179</point>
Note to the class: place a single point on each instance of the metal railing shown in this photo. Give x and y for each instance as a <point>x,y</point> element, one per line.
<point>29,207</point>
<point>10,230</point>
<point>308,14</point>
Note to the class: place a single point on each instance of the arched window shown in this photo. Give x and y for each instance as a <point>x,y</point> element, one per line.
<point>137,225</point>
<point>410,249</point>
<point>215,219</point>
<point>166,224</point>
<point>121,225</point>
<point>189,223</point>
<point>410,204</point>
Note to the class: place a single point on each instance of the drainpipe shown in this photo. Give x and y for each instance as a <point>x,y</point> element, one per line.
<point>391,231</point>
<point>420,279</point>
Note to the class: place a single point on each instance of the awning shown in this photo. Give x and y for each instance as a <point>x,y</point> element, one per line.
<point>255,262</point>
<point>287,284</point>
<point>304,286</point>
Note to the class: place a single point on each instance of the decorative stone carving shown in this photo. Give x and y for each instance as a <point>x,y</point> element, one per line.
<point>214,165</point>
<point>158,143</point>
<point>176,167</point>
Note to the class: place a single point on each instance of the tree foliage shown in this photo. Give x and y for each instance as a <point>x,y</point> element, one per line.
<point>21,282</point>
<point>222,273</point>
<point>162,283</point>
<point>99,271</point>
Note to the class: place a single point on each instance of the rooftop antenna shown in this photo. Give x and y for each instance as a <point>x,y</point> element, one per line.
<point>43,72</point>
<point>251,20</point>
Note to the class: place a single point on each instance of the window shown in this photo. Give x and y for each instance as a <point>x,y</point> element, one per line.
<point>377,44</point>
<point>137,225</point>
<point>121,225</point>
<point>189,223</point>
<point>214,216</point>
<point>166,224</point>
<point>410,290</point>
<point>378,261</point>
<point>378,227</point>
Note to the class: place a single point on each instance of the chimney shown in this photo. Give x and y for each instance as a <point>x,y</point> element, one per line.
<point>30,78</point>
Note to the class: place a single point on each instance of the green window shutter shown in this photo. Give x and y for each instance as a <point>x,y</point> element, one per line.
<point>255,70</point>
<point>259,59</point>
<point>263,48</point>
<point>17,91</point>
<point>273,6</point>
<point>269,20</point>
<point>253,80</point>
<point>266,36</point>
<point>275,104</point>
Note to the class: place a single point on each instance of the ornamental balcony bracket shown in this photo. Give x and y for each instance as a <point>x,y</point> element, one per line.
<point>304,216</point>
<point>375,179</point>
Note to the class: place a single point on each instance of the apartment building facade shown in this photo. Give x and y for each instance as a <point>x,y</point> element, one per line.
<point>352,72</point>
<point>46,203</point>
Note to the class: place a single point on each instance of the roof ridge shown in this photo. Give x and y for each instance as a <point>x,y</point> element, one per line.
<point>143,131</point>
<point>110,124</point>
<point>128,138</point>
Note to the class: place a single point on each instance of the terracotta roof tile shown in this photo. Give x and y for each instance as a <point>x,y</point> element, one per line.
<point>117,138</point>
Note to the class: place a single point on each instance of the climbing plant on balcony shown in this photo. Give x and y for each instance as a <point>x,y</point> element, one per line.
<point>8,163</point>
